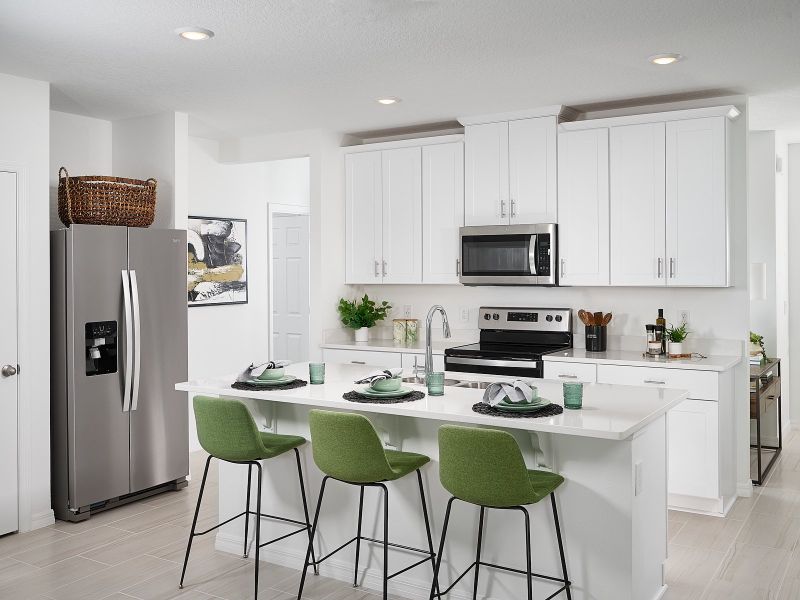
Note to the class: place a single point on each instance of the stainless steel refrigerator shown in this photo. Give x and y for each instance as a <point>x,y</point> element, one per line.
<point>120,431</point>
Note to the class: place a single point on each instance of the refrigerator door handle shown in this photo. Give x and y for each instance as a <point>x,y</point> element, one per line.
<point>137,345</point>
<point>126,296</point>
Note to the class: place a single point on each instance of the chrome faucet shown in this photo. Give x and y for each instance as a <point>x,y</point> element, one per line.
<point>428,342</point>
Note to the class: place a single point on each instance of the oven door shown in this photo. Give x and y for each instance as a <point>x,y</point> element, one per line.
<point>509,255</point>
<point>491,366</point>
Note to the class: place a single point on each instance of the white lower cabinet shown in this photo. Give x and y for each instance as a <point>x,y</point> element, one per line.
<point>571,371</point>
<point>363,357</point>
<point>693,449</point>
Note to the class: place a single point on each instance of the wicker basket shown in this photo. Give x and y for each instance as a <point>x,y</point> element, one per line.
<point>97,200</point>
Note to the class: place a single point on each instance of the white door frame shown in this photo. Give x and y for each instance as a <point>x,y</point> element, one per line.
<point>24,354</point>
<point>274,208</point>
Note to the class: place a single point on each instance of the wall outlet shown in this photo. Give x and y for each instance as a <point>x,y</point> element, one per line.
<point>464,314</point>
<point>683,316</point>
<point>407,310</point>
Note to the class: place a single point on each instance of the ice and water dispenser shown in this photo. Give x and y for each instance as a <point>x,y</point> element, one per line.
<point>101,347</point>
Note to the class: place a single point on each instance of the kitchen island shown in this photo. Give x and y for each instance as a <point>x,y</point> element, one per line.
<point>613,504</point>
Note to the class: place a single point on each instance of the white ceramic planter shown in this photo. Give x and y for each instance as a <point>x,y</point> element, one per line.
<point>674,348</point>
<point>362,335</point>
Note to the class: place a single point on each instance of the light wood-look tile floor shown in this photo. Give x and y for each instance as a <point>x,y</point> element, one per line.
<point>136,552</point>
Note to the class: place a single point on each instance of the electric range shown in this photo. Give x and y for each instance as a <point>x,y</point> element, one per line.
<point>513,341</point>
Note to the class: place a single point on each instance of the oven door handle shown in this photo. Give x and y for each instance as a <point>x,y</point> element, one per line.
<point>532,253</point>
<point>485,362</point>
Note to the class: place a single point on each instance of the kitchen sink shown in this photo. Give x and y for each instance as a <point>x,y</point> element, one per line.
<point>421,381</point>
<point>475,385</point>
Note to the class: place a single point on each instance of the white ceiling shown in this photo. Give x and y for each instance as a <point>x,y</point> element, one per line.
<point>281,65</point>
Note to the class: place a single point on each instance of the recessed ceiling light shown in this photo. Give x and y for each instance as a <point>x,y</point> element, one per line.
<point>666,59</point>
<point>195,34</point>
<point>388,100</point>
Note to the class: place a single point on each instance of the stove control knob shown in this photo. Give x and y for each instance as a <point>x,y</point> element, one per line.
<point>487,316</point>
<point>558,318</point>
<point>496,317</point>
<point>549,318</point>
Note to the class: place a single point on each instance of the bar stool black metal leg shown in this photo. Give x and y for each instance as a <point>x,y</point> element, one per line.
<point>358,532</point>
<point>247,509</point>
<point>435,582</point>
<point>194,520</point>
<point>478,554</point>
<point>560,546</point>
<point>258,528</point>
<point>427,523</point>
<point>385,542</point>
<point>528,551</point>
<point>305,509</point>
<point>313,531</point>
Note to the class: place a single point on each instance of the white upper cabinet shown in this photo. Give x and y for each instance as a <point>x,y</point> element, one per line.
<point>402,215</point>
<point>511,172</point>
<point>532,170</point>
<point>637,205</point>
<point>583,207</point>
<point>364,218</point>
<point>697,219</point>
<point>486,181</point>
<point>442,211</point>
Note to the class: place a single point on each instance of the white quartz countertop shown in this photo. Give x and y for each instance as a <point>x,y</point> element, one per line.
<point>391,346</point>
<point>613,412</point>
<point>636,359</point>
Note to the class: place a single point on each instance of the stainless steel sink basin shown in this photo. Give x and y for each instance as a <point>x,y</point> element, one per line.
<point>474,385</point>
<point>421,381</point>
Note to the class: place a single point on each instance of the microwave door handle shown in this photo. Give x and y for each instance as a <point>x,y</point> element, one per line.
<point>126,296</point>
<point>532,253</point>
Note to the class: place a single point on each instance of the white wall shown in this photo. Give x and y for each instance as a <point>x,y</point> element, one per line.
<point>25,140</point>
<point>288,181</point>
<point>82,145</point>
<point>761,235</point>
<point>792,168</point>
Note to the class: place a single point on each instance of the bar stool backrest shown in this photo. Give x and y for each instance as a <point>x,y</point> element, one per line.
<point>483,466</point>
<point>226,429</point>
<point>347,447</point>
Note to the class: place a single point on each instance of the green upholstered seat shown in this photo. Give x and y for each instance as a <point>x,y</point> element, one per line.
<point>347,447</point>
<point>486,467</point>
<point>226,430</point>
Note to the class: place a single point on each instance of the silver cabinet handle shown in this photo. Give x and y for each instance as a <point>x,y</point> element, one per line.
<point>563,267</point>
<point>9,370</point>
<point>513,208</point>
<point>137,341</point>
<point>671,268</point>
<point>357,362</point>
<point>126,297</point>
<point>377,269</point>
<point>502,208</point>
<point>655,382</point>
<point>567,376</point>
<point>660,266</point>
<point>458,266</point>
<point>384,269</point>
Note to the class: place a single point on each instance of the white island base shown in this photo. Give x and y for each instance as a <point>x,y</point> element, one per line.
<point>612,506</point>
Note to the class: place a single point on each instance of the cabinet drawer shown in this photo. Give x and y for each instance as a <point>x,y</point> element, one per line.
<point>570,371</point>
<point>363,357</point>
<point>702,385</point>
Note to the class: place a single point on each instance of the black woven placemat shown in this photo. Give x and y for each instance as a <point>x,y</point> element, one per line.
<point>550,410</point>
<point>409,397</point>
<point>243,385</point>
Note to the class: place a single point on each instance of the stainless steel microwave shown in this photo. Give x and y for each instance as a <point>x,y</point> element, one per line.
<point>509,255</point>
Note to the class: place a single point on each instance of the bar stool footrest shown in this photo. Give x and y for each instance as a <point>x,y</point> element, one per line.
<point>510,570</point>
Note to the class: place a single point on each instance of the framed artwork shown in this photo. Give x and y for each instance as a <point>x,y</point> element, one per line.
<point>217,258</point>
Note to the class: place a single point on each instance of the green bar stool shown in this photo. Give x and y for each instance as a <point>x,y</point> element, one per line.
<point>485,467</point>
<point>347,448</point>
<point>227,431</point>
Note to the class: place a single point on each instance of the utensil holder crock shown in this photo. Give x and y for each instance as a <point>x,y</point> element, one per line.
<point>596,338</point>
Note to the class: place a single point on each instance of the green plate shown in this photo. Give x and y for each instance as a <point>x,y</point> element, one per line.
<point>272,382</point>
<point>522,407</point>
<point>370,393</point>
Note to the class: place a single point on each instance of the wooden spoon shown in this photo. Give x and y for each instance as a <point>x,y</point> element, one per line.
<point>607,319</point>
<point>584,317</point>
<point>597,319</point>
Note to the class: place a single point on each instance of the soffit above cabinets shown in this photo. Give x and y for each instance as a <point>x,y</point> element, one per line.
<point>564,113</point>
<point>728,110</point>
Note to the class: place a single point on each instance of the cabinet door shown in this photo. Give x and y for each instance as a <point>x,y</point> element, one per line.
<point>697,227</point>
<point>532,170</point>
<point>442,211</point>
<point>486,181</point>
<point>363,216</point>
<point>583,207</point>
<point>637,205</point>
<point>402,216</point>
<point>693,433</point>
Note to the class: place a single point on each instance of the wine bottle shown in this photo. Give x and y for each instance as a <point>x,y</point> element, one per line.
<point>661,324</point>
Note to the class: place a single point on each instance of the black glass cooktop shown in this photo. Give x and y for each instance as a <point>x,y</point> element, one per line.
<point>500,351</point>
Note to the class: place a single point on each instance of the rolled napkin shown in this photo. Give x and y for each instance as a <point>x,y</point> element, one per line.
<point>380,375</point>
<point>519,391</point>
<point>249,372</point>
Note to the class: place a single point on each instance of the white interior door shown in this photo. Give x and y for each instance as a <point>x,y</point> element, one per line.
<point>290,283</point>
<point>9,515</point>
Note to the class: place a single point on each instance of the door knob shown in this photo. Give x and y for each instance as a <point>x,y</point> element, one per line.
<point>8,370</point>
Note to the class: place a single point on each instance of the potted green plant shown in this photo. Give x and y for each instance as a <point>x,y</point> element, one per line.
<point>675,338</point>
<point>757,345</point>
<point>362,314</point>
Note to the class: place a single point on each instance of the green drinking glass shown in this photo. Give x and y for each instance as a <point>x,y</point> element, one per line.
<point>573,394</point>
<point>435,383</point>
<point>316,373</point>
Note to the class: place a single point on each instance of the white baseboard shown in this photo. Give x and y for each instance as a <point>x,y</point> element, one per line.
<point>336,568</point>
<point>42,519</point>
<point>745,488</point>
